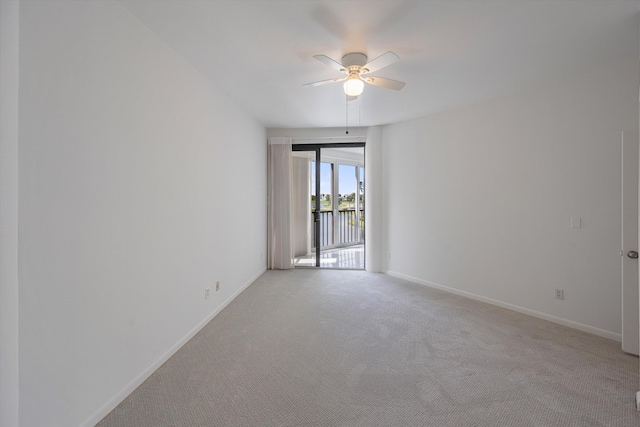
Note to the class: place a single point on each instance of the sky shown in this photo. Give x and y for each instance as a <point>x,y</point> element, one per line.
<point>347,177</point>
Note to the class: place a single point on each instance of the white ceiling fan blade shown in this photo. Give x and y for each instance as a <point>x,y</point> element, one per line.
<point>382,82</point>
<point>330,62</point>
<point>324,82</point>
<point>381,61</point>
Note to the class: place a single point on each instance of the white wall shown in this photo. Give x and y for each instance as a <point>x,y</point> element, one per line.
<point>375,226</point>
<point>9,334</point>
<point>479,199</point>
<point>140,185</point>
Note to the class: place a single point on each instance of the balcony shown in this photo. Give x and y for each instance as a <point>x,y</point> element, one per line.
<point>347,257</point>
<point>341,241</point>
<point>346,231</point>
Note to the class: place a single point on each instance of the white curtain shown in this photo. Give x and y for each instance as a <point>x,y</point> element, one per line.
<point>279,233</point>
<point>301,205</point>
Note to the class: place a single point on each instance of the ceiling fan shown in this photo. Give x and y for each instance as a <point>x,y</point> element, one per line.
<point>356,68</point>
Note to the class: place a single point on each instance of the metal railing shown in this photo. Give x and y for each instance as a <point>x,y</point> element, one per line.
<point>348,231</point>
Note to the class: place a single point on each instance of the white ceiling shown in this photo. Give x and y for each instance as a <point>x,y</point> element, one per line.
<point>452,53</point>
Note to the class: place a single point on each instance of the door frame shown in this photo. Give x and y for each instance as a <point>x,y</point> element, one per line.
<point>629,241</point>
<point>317,148</point>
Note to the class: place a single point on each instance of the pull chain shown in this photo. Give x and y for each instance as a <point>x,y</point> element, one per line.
<point>346,107</point>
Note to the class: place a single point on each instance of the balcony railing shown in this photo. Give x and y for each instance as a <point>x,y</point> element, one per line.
<point>348,231</point>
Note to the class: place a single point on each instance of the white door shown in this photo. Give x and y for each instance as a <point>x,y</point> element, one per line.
<point>629,247</point>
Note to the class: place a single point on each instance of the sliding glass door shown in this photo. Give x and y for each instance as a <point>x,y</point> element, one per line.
<point>305,188</point>
<point>332,189</point>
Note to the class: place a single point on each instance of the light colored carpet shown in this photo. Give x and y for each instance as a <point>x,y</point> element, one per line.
<point>350,348</point>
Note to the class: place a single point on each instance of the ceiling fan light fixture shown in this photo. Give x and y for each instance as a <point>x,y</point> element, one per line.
<point>357,70</point>
<point>353,86</point>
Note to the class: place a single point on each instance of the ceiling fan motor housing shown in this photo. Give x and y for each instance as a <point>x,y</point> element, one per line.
<point>355,58</point>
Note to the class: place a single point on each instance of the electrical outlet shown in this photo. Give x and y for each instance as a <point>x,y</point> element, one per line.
<point>388,255</point>
<point>206,293</point>
<point>559,293</point>
<point>217,286</point>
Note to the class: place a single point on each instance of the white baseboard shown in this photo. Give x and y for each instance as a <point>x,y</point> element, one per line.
<point>137,381</point>
<point>555,319</point>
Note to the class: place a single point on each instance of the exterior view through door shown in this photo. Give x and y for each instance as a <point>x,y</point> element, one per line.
<point>328,205</point>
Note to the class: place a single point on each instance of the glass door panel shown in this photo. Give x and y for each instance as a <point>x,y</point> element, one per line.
<point>329,187</point>
<point>361,202</point>
<point>304,203</point>
<point>347,217</point>
<point>325,214</point>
